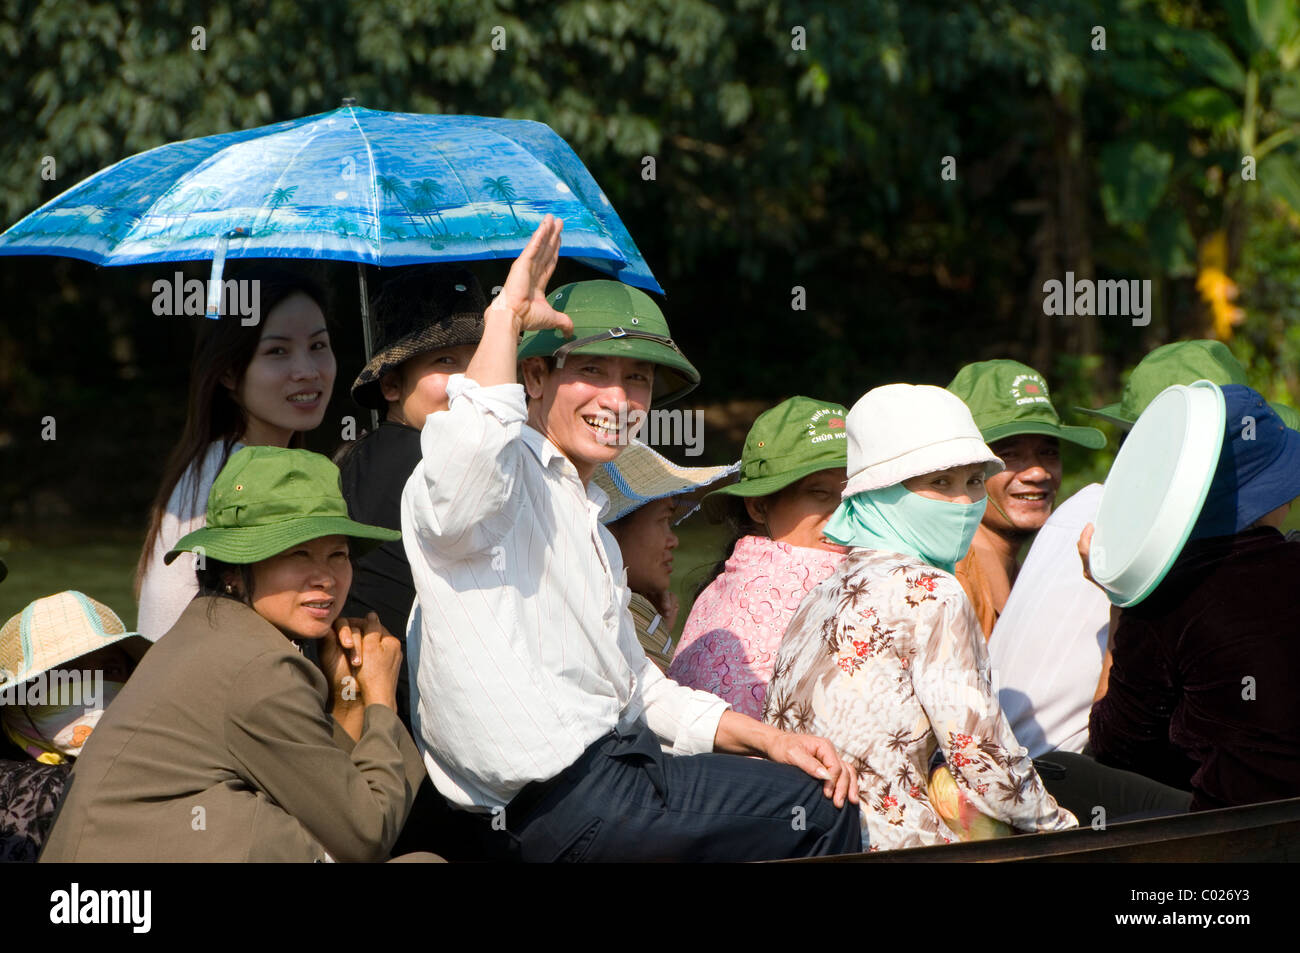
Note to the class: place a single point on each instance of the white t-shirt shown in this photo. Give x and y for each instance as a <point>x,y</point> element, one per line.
<point>166,590</point>
<point>1048,644</point>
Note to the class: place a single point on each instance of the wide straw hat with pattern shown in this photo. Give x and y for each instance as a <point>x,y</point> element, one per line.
<point>56,630</point>
<point>641,474</point>
<point>267,499</point>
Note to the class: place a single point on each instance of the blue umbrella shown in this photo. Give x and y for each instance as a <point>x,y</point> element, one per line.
<point>353,184</point>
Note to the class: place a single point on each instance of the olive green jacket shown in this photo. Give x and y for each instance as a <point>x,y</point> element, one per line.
<point>219,748</point>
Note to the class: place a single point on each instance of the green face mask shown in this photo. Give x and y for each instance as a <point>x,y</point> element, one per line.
<point>897,520</point>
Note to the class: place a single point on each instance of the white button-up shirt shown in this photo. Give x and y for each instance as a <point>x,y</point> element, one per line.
<point>521,647</point>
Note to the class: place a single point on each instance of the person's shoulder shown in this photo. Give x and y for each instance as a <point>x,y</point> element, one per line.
<point>391,451</point>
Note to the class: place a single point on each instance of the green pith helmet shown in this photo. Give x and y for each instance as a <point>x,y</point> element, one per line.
<point>1008,399</point>
<point>611,319</point>
<point>792,440</point>
<point>1182,362</point>
<point>267,499</point>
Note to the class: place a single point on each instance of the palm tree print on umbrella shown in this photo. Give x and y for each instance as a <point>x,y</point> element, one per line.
<point>501,190</point>
<point>393,189</point>
<point>427,193</point>
<point>280,197</point>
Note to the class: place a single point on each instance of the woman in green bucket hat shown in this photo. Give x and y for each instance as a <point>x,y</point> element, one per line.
<point>227,744</point>
<point>792,473</point>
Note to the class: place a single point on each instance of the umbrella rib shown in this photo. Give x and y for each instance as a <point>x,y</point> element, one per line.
<point>374,196</point>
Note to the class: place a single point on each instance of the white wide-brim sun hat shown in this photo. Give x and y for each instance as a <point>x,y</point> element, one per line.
<point>900,431</point>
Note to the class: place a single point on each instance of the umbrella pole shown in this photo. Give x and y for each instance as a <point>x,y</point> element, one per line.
<point>366,331</point>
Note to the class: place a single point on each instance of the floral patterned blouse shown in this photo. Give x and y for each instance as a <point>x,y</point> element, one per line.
<point>729,643</point>
<point>886,660</point>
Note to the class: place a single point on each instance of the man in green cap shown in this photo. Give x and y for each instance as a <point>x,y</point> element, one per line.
<point>534,702</point>
<point>1013,410</point>
<point>1050,641</point>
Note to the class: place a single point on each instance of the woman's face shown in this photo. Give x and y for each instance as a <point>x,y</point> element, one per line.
<point>301,591</point>
<point>798,514</point>
<point>646,540</point>
<point>287,385</point>
<point>955,485</point>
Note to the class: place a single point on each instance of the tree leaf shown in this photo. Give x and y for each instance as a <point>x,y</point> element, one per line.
<point>1208,105</point>
<point>1206,54</point>
<point>1280,177</point>
<point>1275,21</point>
<point>1134,175</point>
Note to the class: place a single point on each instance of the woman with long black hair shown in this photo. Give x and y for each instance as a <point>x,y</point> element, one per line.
<point>262,384</point>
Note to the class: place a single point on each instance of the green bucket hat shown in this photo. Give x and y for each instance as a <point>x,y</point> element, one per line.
<point>267,499</point>
<point>1008,399</point>
<point>795,438</point>
<point>1182,362</point>
<point>611,319</point>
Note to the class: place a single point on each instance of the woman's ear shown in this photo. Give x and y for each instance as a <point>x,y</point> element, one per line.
<point>756,507</point>
<point>232,583</point>
<point>227,380</point>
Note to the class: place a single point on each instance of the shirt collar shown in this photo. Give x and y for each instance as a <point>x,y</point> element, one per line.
<point>548,453</point>
<point>542,448</point>
<point>598,497</point>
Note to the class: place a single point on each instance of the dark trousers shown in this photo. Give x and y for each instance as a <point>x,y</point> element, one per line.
<point>624,800</point>
<point>1081,785</point>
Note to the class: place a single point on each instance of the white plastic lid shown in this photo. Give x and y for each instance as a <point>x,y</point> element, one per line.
<point>1155,490</point>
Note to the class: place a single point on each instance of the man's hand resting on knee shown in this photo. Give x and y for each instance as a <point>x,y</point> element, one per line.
<point>740,734</point>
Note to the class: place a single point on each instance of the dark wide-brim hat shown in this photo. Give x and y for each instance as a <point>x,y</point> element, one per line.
<point>268,499</point>
<point>611,319</point>
<point>425,308</point>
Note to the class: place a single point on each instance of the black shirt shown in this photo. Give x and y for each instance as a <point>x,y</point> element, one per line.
<point>1202,687</point>
<point>373,475</point>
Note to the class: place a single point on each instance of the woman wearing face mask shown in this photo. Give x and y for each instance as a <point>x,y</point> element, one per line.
<point>792,472</point>
<point>63,659</point>
<point>228,744</point>
<point>261,384</point>
<point>887,659</point>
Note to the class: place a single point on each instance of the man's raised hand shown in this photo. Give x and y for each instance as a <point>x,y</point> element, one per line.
<point>523,295</point>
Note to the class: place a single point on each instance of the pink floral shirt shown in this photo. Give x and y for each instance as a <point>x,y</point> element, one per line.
<point>730,641</point>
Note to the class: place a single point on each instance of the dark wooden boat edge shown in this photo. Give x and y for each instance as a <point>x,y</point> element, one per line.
<point>1268,832</point>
